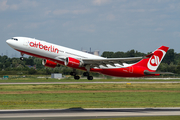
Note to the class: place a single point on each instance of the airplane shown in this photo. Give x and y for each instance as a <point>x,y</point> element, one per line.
<point>54,55</point>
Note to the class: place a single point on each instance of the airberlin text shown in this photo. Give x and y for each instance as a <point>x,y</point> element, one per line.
<point>39,45</point>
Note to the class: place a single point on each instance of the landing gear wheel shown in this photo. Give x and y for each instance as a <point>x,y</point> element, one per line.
<point>90,77</point>
<point>72,73</point>
<point>85,74</point>
<point>21,58</point>
<point>76,77</point>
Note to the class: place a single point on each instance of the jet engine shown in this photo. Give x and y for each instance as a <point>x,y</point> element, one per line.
<point>49,63</point>
<point>72,62</point>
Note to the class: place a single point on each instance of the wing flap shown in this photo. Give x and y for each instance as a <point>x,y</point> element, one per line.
<point>111,61</point>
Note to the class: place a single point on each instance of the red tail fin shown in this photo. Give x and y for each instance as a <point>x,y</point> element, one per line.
<point>154,59</point>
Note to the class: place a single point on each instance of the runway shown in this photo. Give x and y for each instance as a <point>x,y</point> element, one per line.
<point>37,83</point>
<point>80,113</point>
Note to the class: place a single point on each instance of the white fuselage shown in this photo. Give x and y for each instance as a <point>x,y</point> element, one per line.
<point>43,48</point>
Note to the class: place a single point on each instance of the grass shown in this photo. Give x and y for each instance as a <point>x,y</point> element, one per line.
<point>89,96</point>
<point>101,86</point>
<point>89,100</point>
<point>19,79</point>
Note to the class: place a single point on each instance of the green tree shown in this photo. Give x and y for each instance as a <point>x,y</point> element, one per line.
<point>118,54</point>
<point>48,71</point>
<point>4,58</point>
<point>178,69</point>
<point>29,61</point>
<point>107,54</point>
<point>169,57</point>
<point>38,63</point>
<point>163,67</point>
<point>7,64</point>
<point>172,68</point>
<point>32,71</point>
<point>130,53</point>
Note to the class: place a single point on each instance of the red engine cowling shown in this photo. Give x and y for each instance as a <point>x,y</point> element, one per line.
<point>49,63</point>
<point>72,62</point>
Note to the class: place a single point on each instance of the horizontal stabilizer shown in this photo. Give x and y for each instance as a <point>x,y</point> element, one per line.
<point>146,72</point>
<point>148,56</point>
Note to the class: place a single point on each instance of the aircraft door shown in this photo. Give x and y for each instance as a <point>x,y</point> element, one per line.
<point>130,69</point>
<point>25,42</point>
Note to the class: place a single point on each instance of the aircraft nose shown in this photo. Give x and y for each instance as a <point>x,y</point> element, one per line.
<point>8,41</point>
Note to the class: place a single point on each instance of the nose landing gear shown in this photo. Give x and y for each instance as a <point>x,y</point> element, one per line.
<point>22,58</point>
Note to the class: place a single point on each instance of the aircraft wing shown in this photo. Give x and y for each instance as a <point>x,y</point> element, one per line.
<point>110,61</point>
<point>96,62</point>
<point>61,58</point>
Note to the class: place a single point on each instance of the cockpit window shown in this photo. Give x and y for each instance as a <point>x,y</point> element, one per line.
<point>14,39</point>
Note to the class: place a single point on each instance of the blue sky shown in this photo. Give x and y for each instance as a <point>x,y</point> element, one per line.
<point>105,25</point>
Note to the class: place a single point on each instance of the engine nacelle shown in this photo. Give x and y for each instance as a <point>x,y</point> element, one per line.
<point>72,62</point>
<point>49,63</point>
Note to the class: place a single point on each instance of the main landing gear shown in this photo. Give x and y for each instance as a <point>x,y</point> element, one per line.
<point>88,77</point>
<point>76,77</point>
<point>87,73</point>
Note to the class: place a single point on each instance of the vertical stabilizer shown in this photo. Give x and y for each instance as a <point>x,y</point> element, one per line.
<point>153,60</point>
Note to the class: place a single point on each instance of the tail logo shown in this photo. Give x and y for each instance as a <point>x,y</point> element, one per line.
<point>155,60</point>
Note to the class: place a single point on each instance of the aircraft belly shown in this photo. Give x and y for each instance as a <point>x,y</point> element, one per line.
<point>120,72</point>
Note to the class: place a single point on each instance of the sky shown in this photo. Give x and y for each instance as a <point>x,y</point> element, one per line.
<point>104,25</point>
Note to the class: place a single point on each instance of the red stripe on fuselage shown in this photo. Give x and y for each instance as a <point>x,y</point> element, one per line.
<point>117,72</point>
<point>43,57</point>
